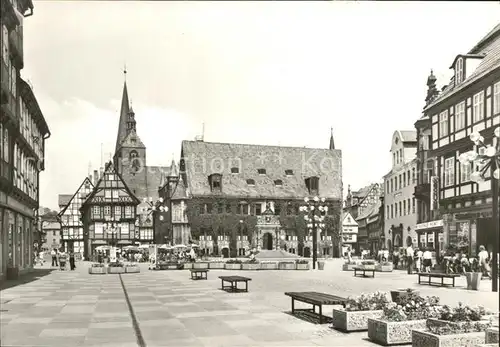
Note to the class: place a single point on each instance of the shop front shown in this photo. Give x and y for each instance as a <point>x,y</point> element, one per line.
<point>467,231</point>
<point>430,235</point>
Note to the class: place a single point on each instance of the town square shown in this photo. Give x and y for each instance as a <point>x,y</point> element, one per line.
<point>212,173</point>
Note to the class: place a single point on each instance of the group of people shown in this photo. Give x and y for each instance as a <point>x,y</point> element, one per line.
<point>60,258</point>
<point>418,259</point>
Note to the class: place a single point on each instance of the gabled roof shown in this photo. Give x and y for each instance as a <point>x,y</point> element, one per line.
<point>352,220</point>
<point>80,188</point>
<point>180,192</point>
<point>408,135</point>
<point>64,199</point>
<point>100,186</point>
<point>132,140</point>
<point>370,211</point>
<point>490,48</point>
<point>203,159</point>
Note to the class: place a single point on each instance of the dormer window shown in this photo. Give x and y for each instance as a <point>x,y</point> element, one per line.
<point>250,182</point>
<point>289,172</point>
<point>215,181</point>
<point>459,70</point>
<point>278,183</point>
<point>235,170</point>
<point>261,171</point>
<point>312,184</point>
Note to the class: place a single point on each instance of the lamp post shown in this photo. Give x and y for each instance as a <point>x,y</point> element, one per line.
<point>155,206</point>
<point>314,214</point>
<point>240,227</point>
<point>488,156</point>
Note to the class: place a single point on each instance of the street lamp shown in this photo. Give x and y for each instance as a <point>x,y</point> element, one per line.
<point>155,206</point>
<point>240,227</point>
<point>488,156</point>
<point>315,212</point>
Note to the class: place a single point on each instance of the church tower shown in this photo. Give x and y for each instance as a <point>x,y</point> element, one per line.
<point>130,152</point>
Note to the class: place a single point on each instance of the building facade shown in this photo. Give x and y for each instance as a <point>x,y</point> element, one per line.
<point>429,226</point>
<point>471,101</point>
<point>23,132</point>
<point>399,187</point>
<point>109,213</point>
<point>248,196</point>
<point>349,232</point>
<point>52,232</point>
<point>70,218</point>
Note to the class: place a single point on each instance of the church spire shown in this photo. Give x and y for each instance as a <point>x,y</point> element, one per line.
<point>432,91</point>
<point>124,114</point>
<point>332,143</point>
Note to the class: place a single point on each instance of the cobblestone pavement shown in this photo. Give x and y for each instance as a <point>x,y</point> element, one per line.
<point>168,309</point>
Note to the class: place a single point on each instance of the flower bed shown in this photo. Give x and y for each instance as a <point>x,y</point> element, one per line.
<point>199,265</point>
<point>399,319</point>
<point>422,338</point>
<point>132,268</point>
<point>492,335</point>
<point>384,267</point>
<point>396,295</point>
<point>287,265</point>
<point>97,269</point>
<point>302,264</point>
<point>358,310</point>
<point>116,268</point>
<point>216,265</point>
<point>233,264</point>
<point>269,265</point>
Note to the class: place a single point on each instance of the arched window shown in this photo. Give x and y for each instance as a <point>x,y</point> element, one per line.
<point>135,162</point>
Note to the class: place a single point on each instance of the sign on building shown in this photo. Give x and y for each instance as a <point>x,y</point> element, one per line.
<point>434,193</point>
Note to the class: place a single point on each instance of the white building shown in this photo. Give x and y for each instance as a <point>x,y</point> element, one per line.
<point>349,232</point>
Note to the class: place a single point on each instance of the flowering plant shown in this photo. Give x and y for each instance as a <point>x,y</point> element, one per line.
<point>252,261</point>
<point>462,313</point>
<point>367,302</point>
<point>466,327</point>
<point>413,307</point>
<point>97,265</point>
<point>115,264</point>
<point>233,261</point>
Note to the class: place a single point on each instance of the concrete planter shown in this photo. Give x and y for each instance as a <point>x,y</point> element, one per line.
<point>232,266</point>
<point>354,320</point>
<point>189,265</point>
<point>421,338</point>
<point>286,266</point>
<point>269,266</point>
<point>393,333</point>
<point>132,269</point>
<point>97,270</point>
<point>492,335</point>
<point>116,270</point>
<point>216,266</point>
<point>200,265</point>
<point>250,266</point>
<point>349,267</point>
<point>384,268</point>
<point>368,267</point>
<point>303,266</point>
<point>437,323</point>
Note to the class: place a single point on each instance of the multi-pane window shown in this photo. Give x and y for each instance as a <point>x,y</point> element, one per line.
<point>115,194</point>
<point>107,193</point>
<point>404,207</point>
<point>443,123</point>
<point>460,116</point>
<point>392,211</point>
<point>478,106</point>
<point>118,211</point>
<point>128,212</point>
<point>107,210</point>
<point>413,204</point>
<point>459,71</point>
<point>409,206</point>
<point>96,211</point>
<point>124,230</point>
<point>465,170</point>
<point>98,229</point>
<point>449,171</point>
<point>496,98</point>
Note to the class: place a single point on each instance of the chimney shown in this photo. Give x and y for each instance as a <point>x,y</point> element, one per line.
<point>96,177</point>
<point>90,178</point>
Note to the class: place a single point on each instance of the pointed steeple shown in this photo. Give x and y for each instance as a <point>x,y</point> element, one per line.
<point>332,143</point>
<point>432,91</point>
<point>173,169</point>
<point>124,115</point>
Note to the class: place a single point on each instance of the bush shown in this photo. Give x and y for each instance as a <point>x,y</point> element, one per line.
<point>115,264</point>
<point>462,313</point>
<point>367,302</point>
<point>467,327</point>
<point>413,307</point>
<point>97,265</point>
<point>252,261</point>
<point>233,261</point>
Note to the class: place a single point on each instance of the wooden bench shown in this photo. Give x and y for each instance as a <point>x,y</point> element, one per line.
<point>233,287</point>
<point>362,269</point>
<point>199,274</point>
<point>432,275</point>
<point>316,299</point>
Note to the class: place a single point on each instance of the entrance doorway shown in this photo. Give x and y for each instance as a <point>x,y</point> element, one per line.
<point>225,252</point>
<point>267,241</point>
<point>307,252</point>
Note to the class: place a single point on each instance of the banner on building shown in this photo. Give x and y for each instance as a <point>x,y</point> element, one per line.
<point>434,193</point>
<point>441,237</point>
<point>422,238</point>
<point>430,238</point>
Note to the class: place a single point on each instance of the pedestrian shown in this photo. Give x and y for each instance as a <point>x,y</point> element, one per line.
<point>395,258</point>
<point>62,261</point>
<point>427,260</point>
<point>72,260</point>
<point>483,257</point>
<point>53,254</point>
<point>409,259</point>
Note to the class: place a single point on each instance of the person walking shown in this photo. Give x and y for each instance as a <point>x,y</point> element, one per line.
<point>395,259</point>
<point>62,261</point>
<point>53,254</point>
<point>409,259</point>
<point>72,260</point>
<point>427,260</point>
<point>483,257</point>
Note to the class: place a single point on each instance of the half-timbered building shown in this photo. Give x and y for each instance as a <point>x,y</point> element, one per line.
<point>471,101</point>
<point>109,213</point>
<point>245,196</point>
<point>70,218</point>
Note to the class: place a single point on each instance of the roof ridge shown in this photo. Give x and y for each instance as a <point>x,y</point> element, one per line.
<point>256,145</point>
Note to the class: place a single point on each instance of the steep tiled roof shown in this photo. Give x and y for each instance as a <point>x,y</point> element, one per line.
<point>371,210</point>
<point>64,199</point>
<point>408,135</point>
<point>488,64</point>
<point>205,158</point>
<point>154,177</point>
<point>132,140</point>
<point>180,191</point>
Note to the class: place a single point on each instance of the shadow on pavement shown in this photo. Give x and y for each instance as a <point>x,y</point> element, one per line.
<point>308,316</point>
<point>34,275</point>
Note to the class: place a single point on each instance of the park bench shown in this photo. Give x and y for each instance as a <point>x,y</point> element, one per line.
<point>315,299</point>
<point>432,275</point>
<point>233,280</point>
<point>199,274</point>
<point>364,271</point>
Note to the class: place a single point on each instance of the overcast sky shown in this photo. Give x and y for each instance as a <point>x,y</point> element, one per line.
<point>277,73</point>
